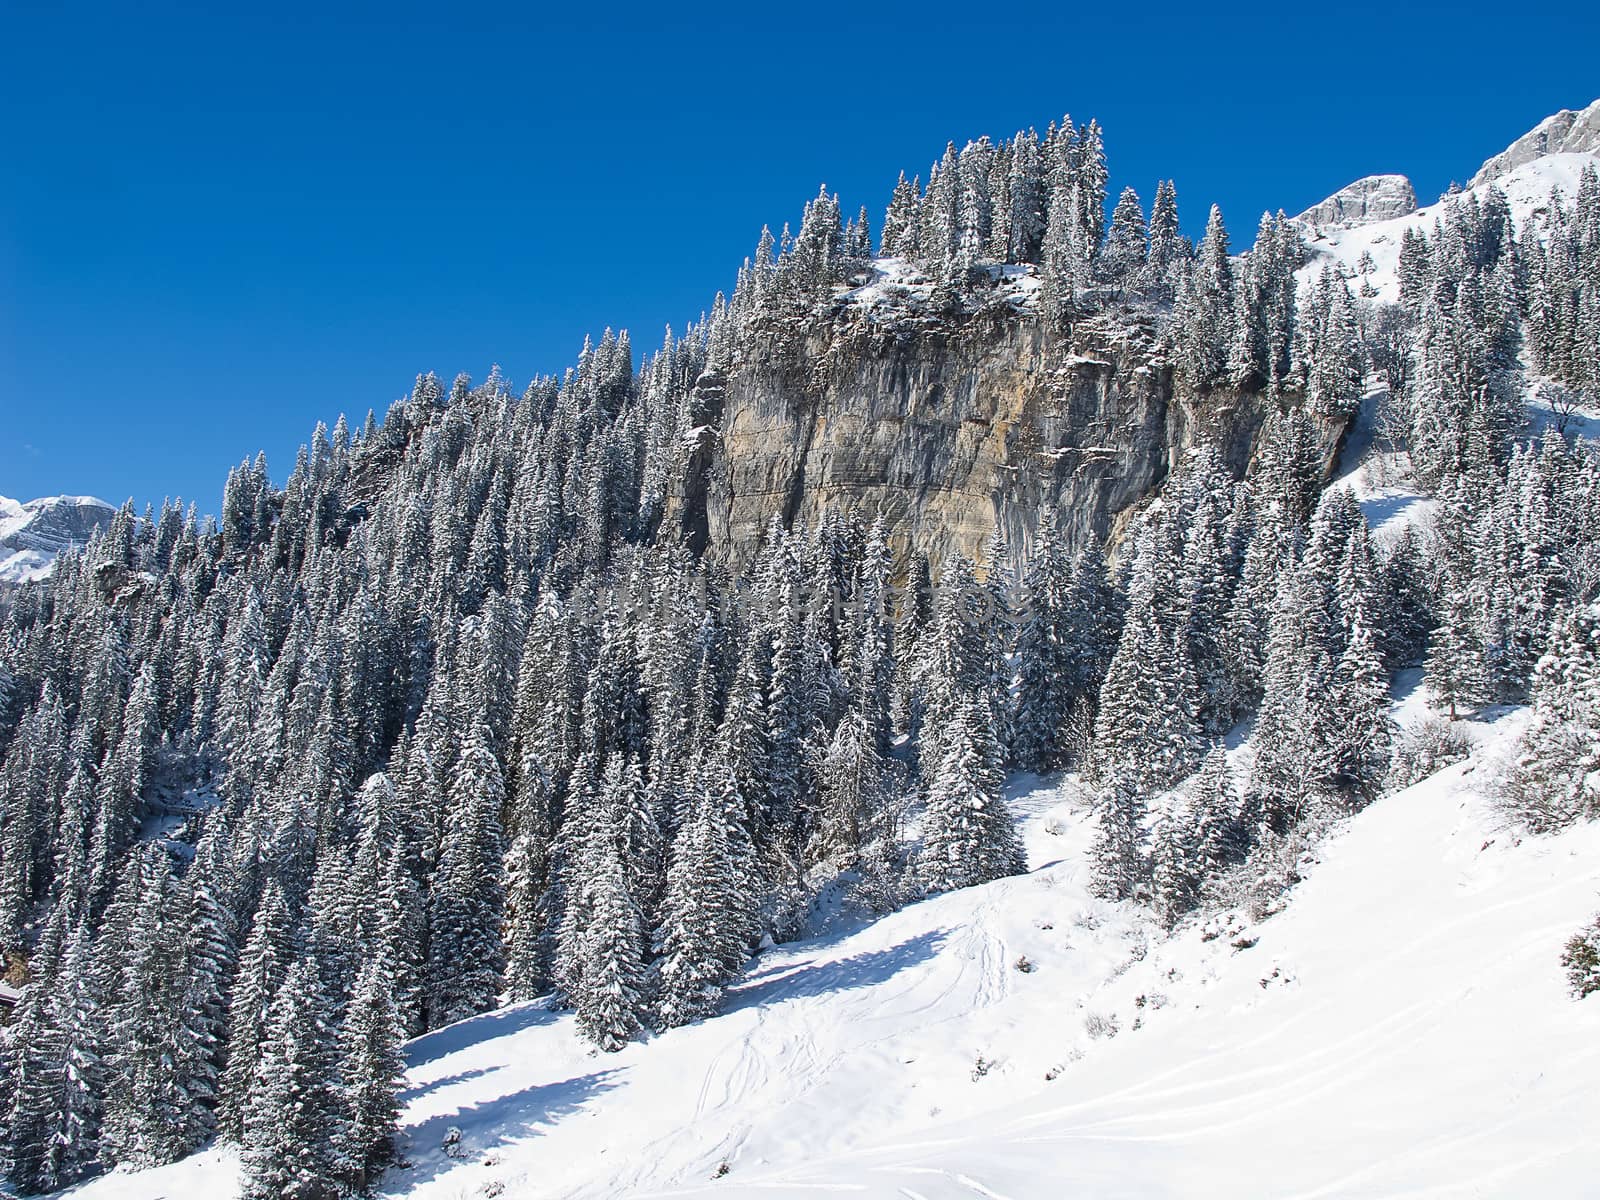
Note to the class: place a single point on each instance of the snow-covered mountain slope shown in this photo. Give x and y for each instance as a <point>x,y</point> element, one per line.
<point>32,534</point>
<point>1381,482</point>
<point>1371,215</point>
<point>1402,1027</point>
<point>1527,188</point>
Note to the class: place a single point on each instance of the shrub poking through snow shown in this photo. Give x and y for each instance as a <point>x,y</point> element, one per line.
<point>1581,958</point>
<point>1426,749</point>
<point>1098,1025</point>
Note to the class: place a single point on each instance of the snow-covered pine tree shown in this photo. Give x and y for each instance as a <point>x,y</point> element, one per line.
<point>1123,262</point>
<point>1224,836</point>
<point>1552,782</point>
<point>465,952</point>
<point>268,953</point>
<point>158,1091</point>
<point>611,998</point>
<point>1146,729</point>
<point>1168,247</point>
<point>371,1067</point>
<point>968,834</point>
<point>1176,861</point>
<point>1046,676</point>
<point>35,1071</point>
<point>852,786</point>
<point>295,1121</point>
<point>54,1076</point>
<point>1361,705</point>
<point>708,913</point>
<point>1455,672</point>
<point>1122,871</point>
<point>1204,310</point>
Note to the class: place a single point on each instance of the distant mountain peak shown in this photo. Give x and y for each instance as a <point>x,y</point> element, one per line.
<point>1364,202</point>
<point>33,533</point>
<point>1570,131</point>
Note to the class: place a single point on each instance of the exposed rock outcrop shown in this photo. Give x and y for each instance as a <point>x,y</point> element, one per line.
<point>948,426</point>
<point>1569,131</point>
<point>1364,202</point>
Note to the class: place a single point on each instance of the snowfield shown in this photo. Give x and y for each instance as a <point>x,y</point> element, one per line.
<point>1400,1028</point>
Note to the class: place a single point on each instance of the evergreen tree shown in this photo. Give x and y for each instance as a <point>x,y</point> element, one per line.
<point>55,1077</point>
<point>1204,310</point>
<point>1146,729</point>
<point>268,953</point>
<point>853,793</point>
<point>371,1067</point>
<point>157,1096</point>
<point>1121,869</point>
<point>466,956</point>
<point>1123,262</point>
<point>1168,247</point>
<point>1455,670</point>
<point>35,1080</point>
<point>1177,863</point>
<point>968,836</point>
<point>1361,701</point>
<point>707,914</point>
<point>295,1121</point>
<point>1224,837</point>
<point>1046,677</point>
<point>610,999</point>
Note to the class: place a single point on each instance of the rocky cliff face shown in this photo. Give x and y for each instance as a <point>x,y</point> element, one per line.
<point>1567,132</point>
<point>948,426</point>
<point>1364,202</point>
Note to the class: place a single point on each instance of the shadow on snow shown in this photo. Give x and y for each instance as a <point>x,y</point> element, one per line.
<point>491,1123</point>
<point>810,978</point>
<point>502,1022</point>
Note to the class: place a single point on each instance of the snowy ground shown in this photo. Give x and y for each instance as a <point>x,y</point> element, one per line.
<point>1381,482</point>
<point>1574,420</point>
<point>1400,1028</point>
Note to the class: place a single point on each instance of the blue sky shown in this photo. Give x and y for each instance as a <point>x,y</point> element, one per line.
<point>220,223</point>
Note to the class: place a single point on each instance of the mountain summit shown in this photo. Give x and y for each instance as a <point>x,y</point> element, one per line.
<point>1569,131</point>
<point>1364,202</point>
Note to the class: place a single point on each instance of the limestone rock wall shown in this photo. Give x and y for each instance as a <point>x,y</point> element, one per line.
<point>947,427</point>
